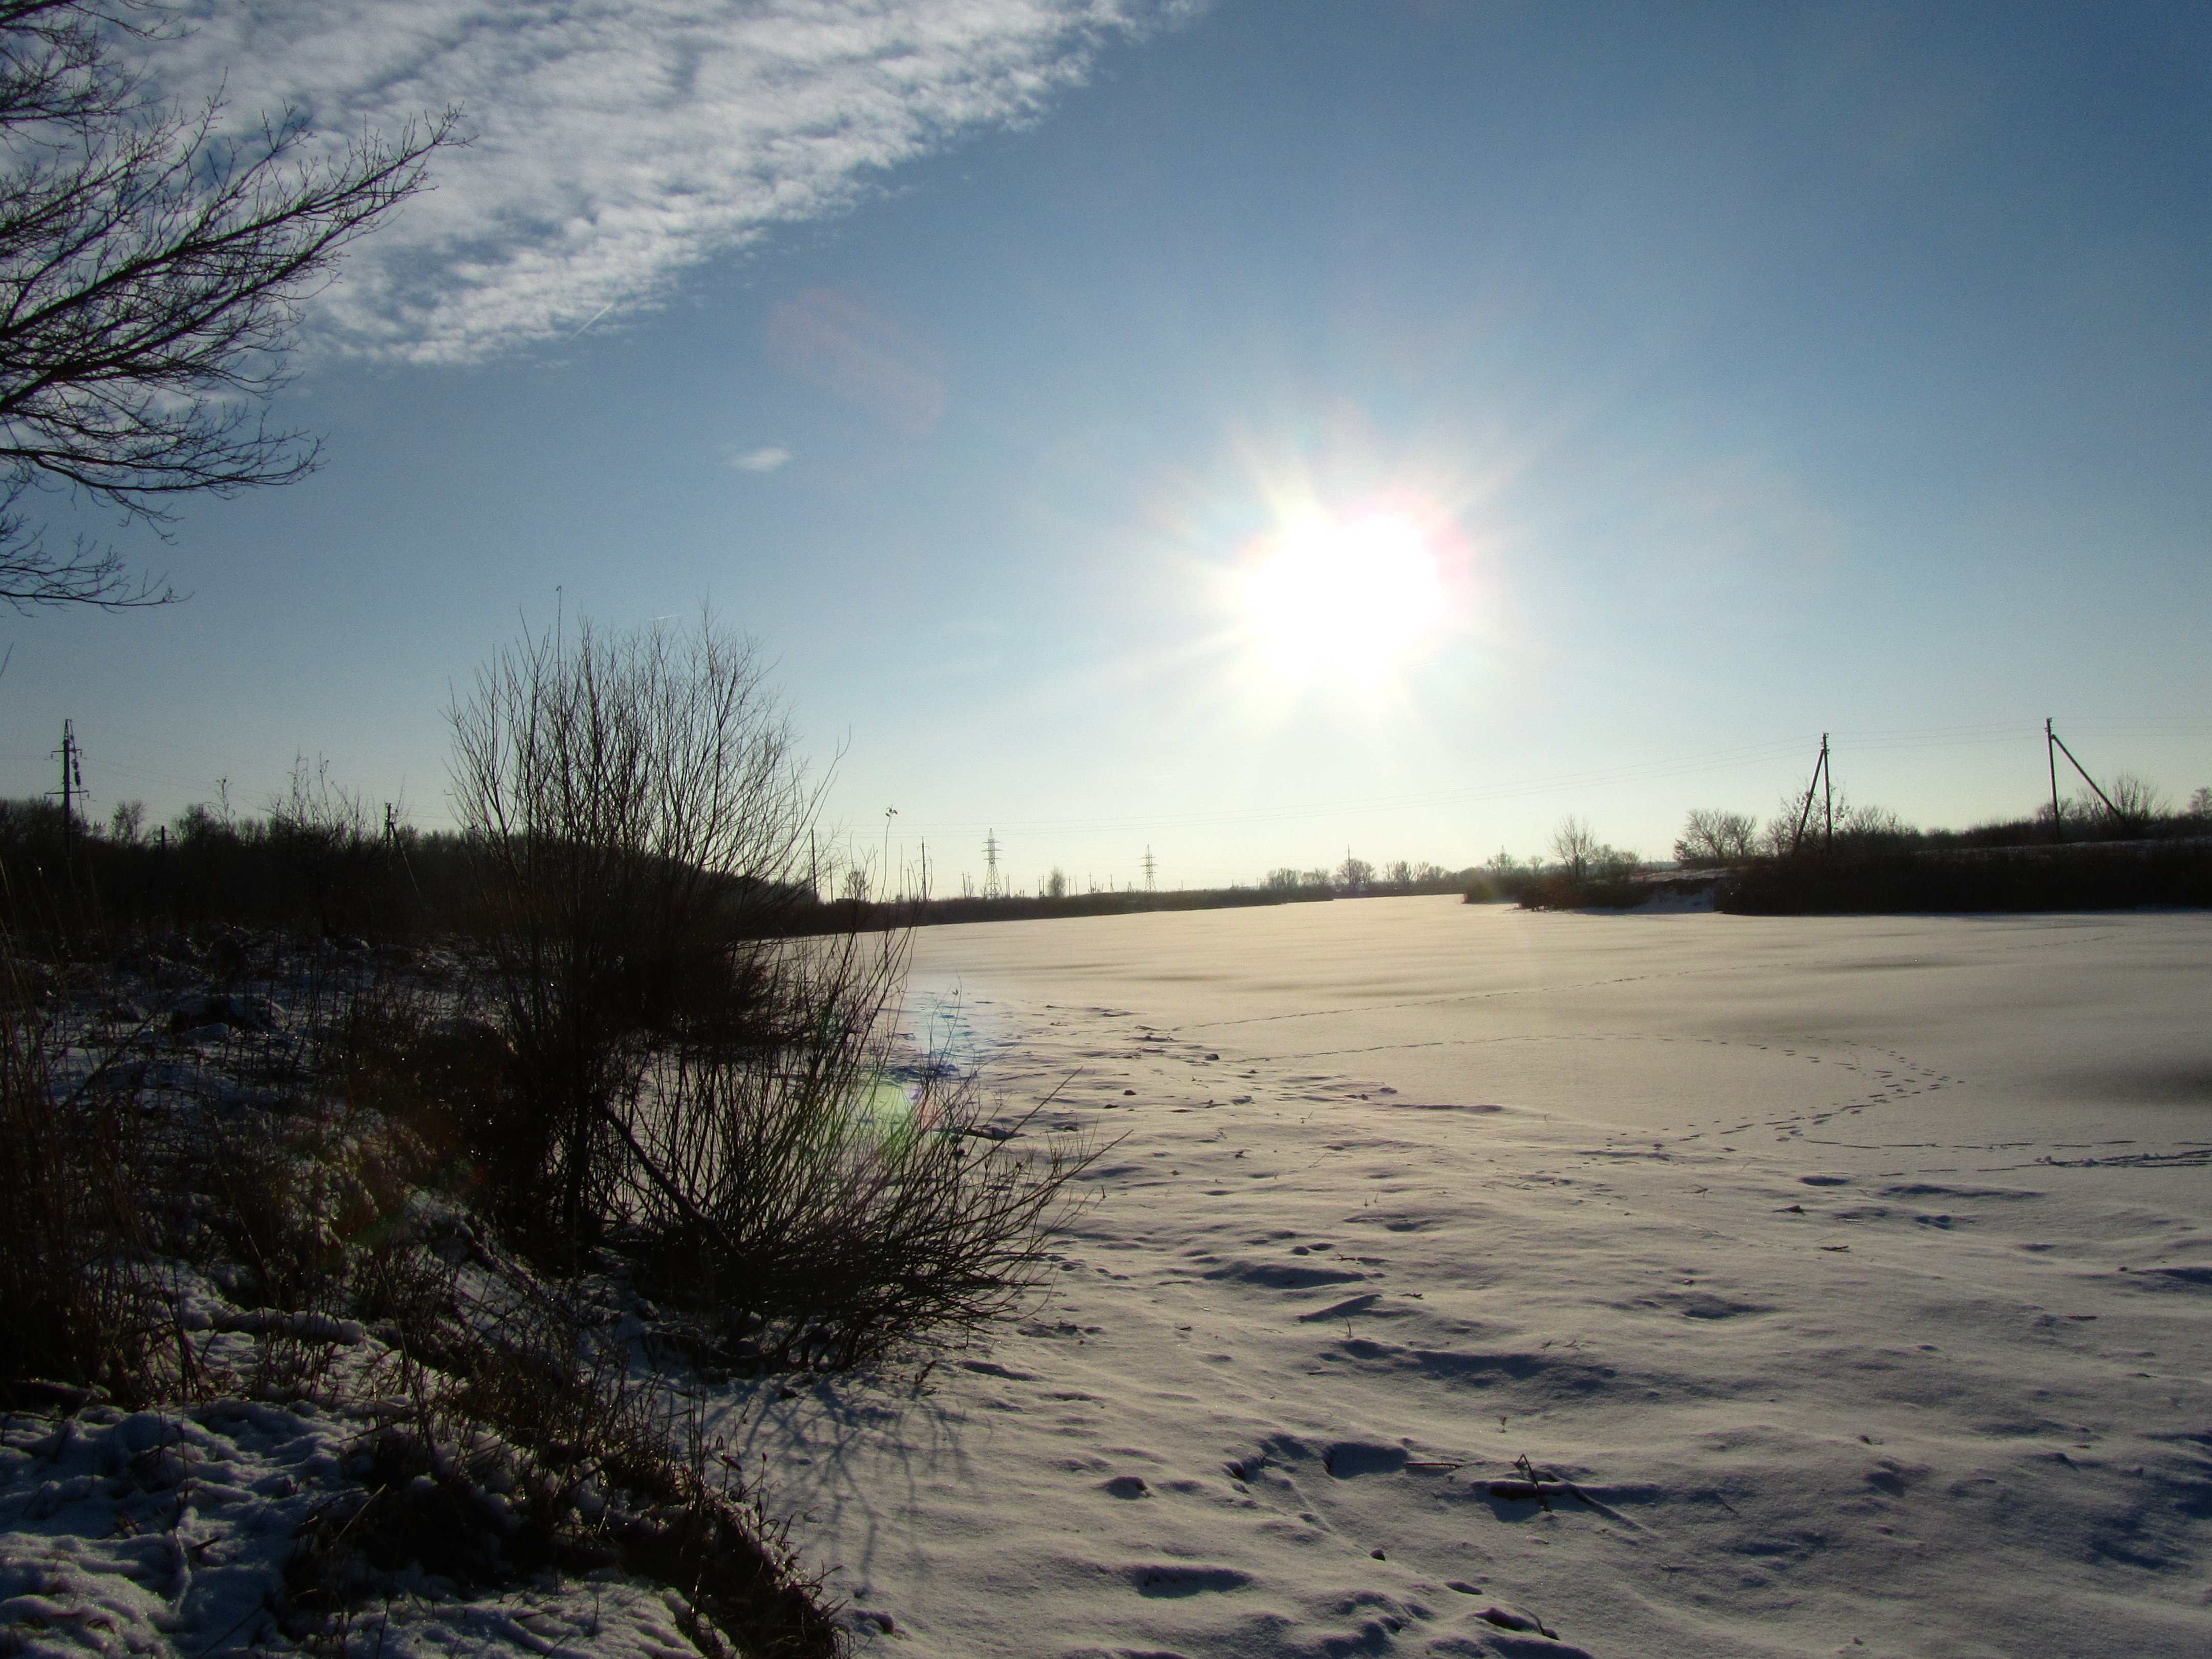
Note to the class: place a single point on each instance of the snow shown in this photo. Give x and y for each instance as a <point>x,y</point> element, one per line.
<point>1855,1270</point>
<point>1688,1284</point>
<point>169,1532</point>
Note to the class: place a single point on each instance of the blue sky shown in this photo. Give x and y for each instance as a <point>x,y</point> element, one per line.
<point>1751,371</point>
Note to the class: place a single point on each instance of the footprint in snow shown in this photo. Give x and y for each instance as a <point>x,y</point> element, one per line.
<point>1177,1579</point>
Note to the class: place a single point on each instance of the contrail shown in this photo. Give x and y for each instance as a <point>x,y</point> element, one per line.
<point>594,318</point>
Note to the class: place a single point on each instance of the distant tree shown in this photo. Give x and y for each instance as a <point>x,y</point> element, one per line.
<point>1398,873</point>
<point>1055,885</point>
<point>151,276</point>
<point>2200,803</point>
<point>1425,873</point>
<point>2136,801</point>
<point>1712,836</point>
<point>2134,804</point>
<point>1781,835</point>
<point>1284,880</point>
<point>128,822</point>
<point>1872,827</point>
<point>1354,875</point>
<point>1574,847</point>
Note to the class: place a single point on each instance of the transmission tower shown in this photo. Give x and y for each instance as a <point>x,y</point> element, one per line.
<point>1149,868</point>
<point>992,888</point>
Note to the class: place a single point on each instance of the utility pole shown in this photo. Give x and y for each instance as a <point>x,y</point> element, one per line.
<point>1150,868</point>
<point>1828,799</point>
<point>2051,753</point>
<point>991,889</point>
<point>2118,816</point>
<point>1820,782</point>
<point>72,780</point>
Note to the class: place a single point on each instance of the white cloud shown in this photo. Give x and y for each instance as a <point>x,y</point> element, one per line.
<point>761,460</point>
<point>617,142</point>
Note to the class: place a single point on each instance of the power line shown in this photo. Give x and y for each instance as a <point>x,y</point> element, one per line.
<point>1870,740</point>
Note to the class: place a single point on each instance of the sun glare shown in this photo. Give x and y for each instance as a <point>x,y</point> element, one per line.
<point>1347,598</point>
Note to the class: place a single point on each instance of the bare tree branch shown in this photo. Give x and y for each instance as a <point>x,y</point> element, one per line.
<point>151,276</point>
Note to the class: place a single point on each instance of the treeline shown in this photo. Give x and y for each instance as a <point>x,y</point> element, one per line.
<point>2171,872</point>
<point>2127,809</point>
<point>2116,848</point>
<point>318,864</point>
<point>315,865</point>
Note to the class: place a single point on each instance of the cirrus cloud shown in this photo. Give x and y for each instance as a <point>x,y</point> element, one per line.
<point>616,144</point>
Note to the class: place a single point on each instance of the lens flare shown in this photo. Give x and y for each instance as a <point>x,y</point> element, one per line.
<point>1344,597</point>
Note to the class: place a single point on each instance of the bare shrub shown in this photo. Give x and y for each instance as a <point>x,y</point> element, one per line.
<point>636,808</point>
<point>680,1081</point>
<point>828,1203</point>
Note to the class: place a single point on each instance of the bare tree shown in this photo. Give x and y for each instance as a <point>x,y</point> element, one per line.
<point>151,276</point>
<point>1354,875</point>
<point>2136,801</point>
<point>1576,846</point>
<point>1868,828</point>
<point>1712,837</point>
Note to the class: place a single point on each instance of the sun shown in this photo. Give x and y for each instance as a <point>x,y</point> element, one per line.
<point>1347,598</point>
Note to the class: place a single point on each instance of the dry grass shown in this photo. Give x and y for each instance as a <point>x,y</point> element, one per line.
<point>78,1302</point>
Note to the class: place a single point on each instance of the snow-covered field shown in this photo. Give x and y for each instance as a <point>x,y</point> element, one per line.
<point>1853,1273</point>
<point>1840,1283</point>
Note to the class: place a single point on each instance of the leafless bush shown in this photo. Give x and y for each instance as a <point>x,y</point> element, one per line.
<point>635,807</point>
<point>681,1079</point>
<point>828,1203</point>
